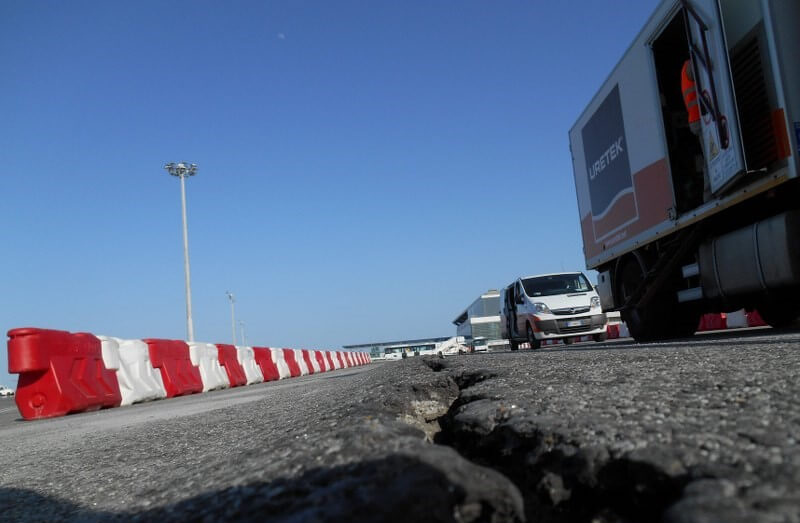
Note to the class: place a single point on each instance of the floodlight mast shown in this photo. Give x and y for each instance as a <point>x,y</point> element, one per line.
<point>182,170</point>
<point>233,315</point>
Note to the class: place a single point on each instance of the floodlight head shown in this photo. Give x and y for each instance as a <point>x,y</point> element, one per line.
<point>181,169</point>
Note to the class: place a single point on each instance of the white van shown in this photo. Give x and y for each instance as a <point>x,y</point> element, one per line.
<point>550,306</point>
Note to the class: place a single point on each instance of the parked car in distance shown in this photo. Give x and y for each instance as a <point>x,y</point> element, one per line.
<point>5,391</point>
<point>550,306</point>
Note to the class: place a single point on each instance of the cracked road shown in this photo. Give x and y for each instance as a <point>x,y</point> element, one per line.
<point>699,430</point>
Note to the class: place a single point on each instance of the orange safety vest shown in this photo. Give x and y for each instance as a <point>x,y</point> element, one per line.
<point>689,93</point>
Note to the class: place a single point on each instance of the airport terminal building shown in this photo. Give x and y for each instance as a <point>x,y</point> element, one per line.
<point>479,324</point>
<point>379,350</point>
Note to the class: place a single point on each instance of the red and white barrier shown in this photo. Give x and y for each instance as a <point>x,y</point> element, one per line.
<point>205,356</point>
<point>63,372</point>
<point>280,362</point>
<point>138,380</point>
<point>247,359</point>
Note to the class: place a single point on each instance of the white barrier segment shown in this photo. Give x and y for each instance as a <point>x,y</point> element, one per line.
<point>346,360</point>
<point>737,319</point>
<point>205,356</point>
<point>280,363</point>
<point>138,380</point>
<point>247,359</point>
<point>335,357</point>
<point>301,362</point>
<point>312,355</point>
<point>623,331</point>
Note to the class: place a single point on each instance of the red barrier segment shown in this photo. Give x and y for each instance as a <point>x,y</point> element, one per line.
<point>341,359</point>
<point>180,377</point>
<point>613,331</point>
<point>291,362</point>
<point>264,360</point>
<point>349,357</point>
<point>229,359</point>
<point>754,319</point>
<point>329,358</point>
<point>323,365</point>
<point>712,321</point>
<point>59,373</point>
<point>307,359</point>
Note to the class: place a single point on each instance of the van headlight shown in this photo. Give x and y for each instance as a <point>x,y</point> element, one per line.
<point>541,307</point>
<point>595,302</point>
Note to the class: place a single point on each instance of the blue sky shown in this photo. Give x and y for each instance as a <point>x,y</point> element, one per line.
<point>366,168</point>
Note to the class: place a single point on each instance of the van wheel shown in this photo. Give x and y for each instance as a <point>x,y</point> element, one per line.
<point>603,336</point>
<point>532,341</point>
<point>567,341</point>
<point>513,344</point>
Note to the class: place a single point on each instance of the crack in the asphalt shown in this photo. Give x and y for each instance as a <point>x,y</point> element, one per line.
<point>560,481</point>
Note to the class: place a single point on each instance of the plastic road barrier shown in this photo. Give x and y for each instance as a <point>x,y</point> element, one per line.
<point>138,380</point>
<point>279,357</point>
<point>230,360</point>
<point>59,372</point>
<point>205,357</point>
<point>342,360</point>
<point>294,368</point>
<point>301,362</point>
<point>263,357</point>
<point>326,355</point>
<point>308,361</point>
<point>247,360</point>
<point>178,374</point>
<point>709,322</point>
<point>754,319</point>
<point>315,362</point>
<point>337,363</point>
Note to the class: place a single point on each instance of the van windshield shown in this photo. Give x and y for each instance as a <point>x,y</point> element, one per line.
<point>556,284</point>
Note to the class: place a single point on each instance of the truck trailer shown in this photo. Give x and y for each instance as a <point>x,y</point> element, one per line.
<point>680,219</point>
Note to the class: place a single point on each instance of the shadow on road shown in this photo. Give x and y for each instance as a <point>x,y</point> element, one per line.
<point>396,488</point>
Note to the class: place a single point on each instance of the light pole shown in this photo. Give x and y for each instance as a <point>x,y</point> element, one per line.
<point>233,315</point>
<point>182,170</point>
<point>241,327</point>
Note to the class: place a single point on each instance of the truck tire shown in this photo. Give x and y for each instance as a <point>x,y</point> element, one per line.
<point>661,319</point>
<point>599,338</point>
<point>778,313</point>
<point>532,341</point>
<point>513,344</point>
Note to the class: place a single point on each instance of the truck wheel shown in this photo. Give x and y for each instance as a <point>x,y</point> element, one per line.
<point>778,313</point>
<point>567,341</point>
<point>644,323</point>
<point>661,319</point>
<point>532,341</point>
<point>603,336</point>
<point>514,344</point>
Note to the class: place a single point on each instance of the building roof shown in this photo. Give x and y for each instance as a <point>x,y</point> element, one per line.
<point>401,342</point>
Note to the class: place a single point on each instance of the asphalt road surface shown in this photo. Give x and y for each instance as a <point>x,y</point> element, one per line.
<point>692,431</point>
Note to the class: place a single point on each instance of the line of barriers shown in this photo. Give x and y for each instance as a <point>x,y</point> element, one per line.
<point>63,372</point>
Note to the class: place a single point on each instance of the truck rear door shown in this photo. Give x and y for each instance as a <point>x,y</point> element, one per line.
<point>722,145</point>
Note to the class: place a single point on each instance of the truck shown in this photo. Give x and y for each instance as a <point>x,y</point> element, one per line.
<point>559,306</point>
<point>677,220</point>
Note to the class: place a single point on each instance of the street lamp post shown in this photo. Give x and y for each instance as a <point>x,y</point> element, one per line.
<point>233,315</point>
<point>182,170</point>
